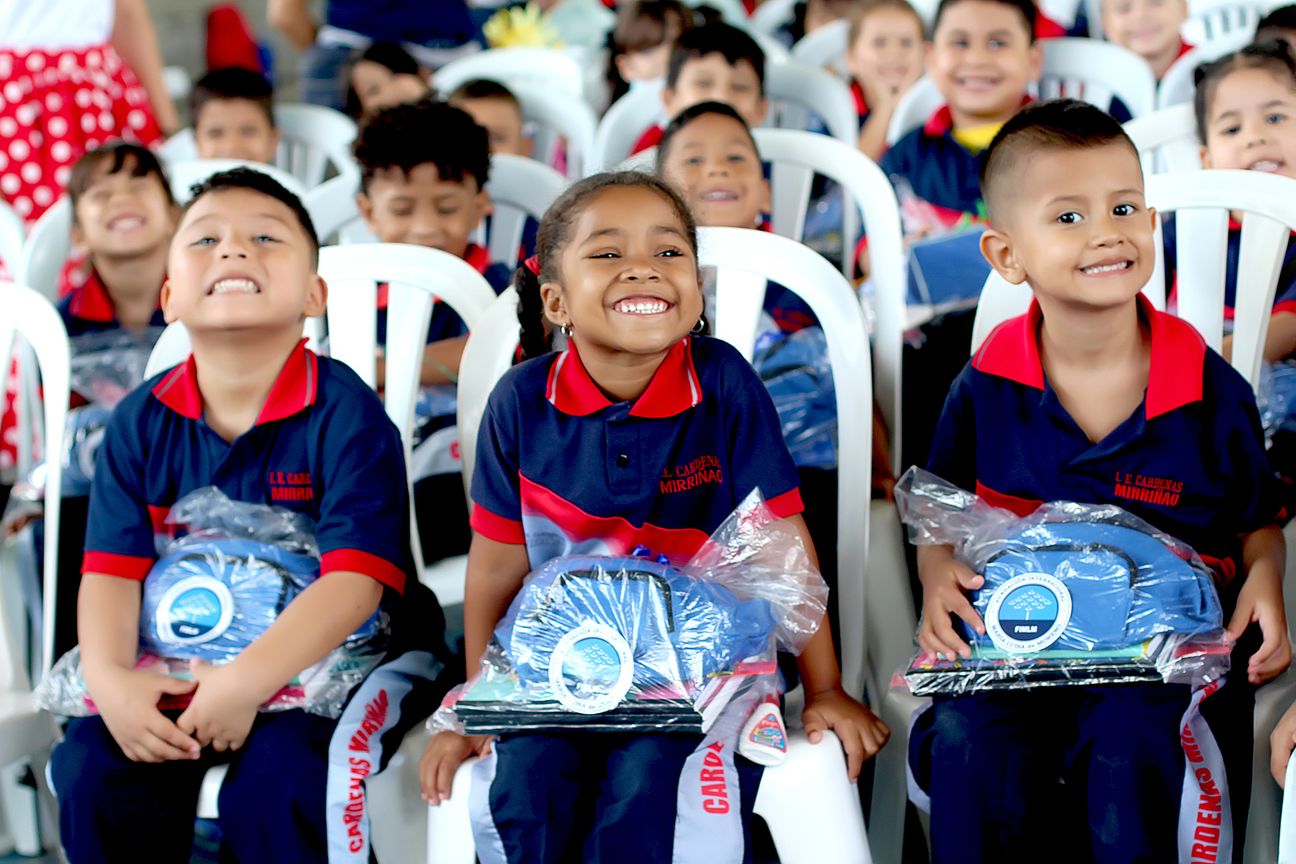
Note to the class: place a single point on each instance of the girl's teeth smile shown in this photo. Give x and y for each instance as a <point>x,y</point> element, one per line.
<point>1100,269</point>
<point>641,307</point>
<point>235,286</point>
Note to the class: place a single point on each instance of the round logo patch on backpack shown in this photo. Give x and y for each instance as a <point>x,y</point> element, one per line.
<point>591,669</point>
<point>1028,613</point>
<point>194,610</point>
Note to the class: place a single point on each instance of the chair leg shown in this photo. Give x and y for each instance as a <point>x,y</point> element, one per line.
<point>890,788</point>
<point>397,814</point>
<point>21,813</point>
<point>449,825</point>
<point>1266,798</point>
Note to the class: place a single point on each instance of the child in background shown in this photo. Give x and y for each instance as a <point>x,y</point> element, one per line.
<point>617,272</point>
<point>982,58</point>
<point>641,43</point>
<point>1092,383</point>
<point>1278,24</point>
<point>885,57</point>
<point>423,168</point>
<point>715,62</point>
<point>233,116</point>
<point>250,405</point>
<point>384,75</point>
<point>1149,28</point>
<point>494,108</point>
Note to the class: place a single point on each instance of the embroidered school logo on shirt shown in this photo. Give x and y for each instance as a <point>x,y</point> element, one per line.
<point>681,478</point>
<point>1149,490</point>
<point>290,486</point>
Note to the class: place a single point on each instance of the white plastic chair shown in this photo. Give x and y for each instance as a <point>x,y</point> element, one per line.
<point>623,123</point>
<point>27,733</point>
<point>1210,19</point>
<point>770,15</point>
<point>543,67</point>
<point>519,188</point>
<point>825,48</point>
<point>177,82</point>
<point>187,174</point>
<point>796,91</point>
<point>1097,72</point>
<point>557,118</point>
<point>46,250</point>
<point>917,104</point>
<point>13,235</point>
<point>1287,833</point>
<point>1177,85</point>
<point>1166,139</point>
<point>1201,202</point>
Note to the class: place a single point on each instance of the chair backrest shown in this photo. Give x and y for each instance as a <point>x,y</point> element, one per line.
<point>48,244</point>
<point>1166,139</point>
<point>557,119</point>
<point>917,104</point>
<point>1177,85</point>
<point>489,353</point>
<point>548,68</point>
<point>770,15</point>
<point>1210,19</point>
<point>1287,827</point>
<point>415,276</point>
<point>1201,203</point>
<point>795,158</point>
<point>519,188</point>
<point>623,123</point>
<point>825,48</point>
<point>29,316</point>
<point>313,139</point>
<point>187,174</point>
<point>1097,72</point>
<point>796,92</point>
<point>12,237</point>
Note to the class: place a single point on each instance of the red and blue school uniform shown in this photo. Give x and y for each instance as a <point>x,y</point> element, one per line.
<point>321,446</point>
<point>562,469</point>
<point>87,307</point>
<point>1190,460</point>
<point>940,170</point>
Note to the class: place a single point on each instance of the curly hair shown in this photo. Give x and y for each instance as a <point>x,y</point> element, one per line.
<point>403,137</point>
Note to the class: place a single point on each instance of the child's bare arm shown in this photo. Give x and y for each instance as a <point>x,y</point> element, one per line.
<point>313,624</point>
<point>1280,341</point>
<point>1281,743</point>
<point>945,583</point>
<point>108,629</point>
<point>441,361</point>
<point>1264,557</point>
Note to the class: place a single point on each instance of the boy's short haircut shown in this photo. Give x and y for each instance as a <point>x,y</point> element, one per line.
<point>861,12</point>
<point>718,38</point>
<point>421,133</point>
<point>691,113</point>
<point>256,181</point>
<point>1059,124</point>
<point>233,82</point>
<point>483,88</point>
<point>1026,8</point>
<point>1274,56</point>
<point>118,156</point>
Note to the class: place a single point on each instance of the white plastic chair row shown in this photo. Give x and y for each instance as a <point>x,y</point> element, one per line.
<point>1201,203</point>
<point>546,68</point>
<point>1167,140</point>
<point>1210,19</point>
<point>1177,85</point>
<point>825,48</point>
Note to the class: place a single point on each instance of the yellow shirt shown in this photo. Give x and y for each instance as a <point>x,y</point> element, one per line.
<point>974,139</point>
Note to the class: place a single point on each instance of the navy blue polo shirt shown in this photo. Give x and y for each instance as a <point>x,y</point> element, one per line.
<point>564,470</point>
<point>87,307</point>
<point>423,22</point>
<point>939,169</point>
<point>1190,460</point>
<point>444,323</point>
<point>1284,296</point>
<point>322,445</point>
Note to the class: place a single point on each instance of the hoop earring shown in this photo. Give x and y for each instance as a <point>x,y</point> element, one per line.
<point>566,330</point>
<point>699,327</point>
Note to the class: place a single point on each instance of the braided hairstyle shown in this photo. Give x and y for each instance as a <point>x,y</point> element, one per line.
<point>555,232</point>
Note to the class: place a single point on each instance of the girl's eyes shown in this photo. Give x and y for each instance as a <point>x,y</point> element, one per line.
<point>204,241</point>
<point>265,238</point>
<point>996,44</point>
<point>670,253</point>
<point>1230,131</point>
<point>693,160</point>
<point>1070,217</point>
<point>1275,118</point>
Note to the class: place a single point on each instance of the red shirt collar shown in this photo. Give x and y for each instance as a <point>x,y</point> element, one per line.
<point>90,300</point>
<point>1178,353</point>
<point>942,122</point>
<point>674,387</point>
<point>861,104</point>
<point>476,256</point>
<point>293,391</point>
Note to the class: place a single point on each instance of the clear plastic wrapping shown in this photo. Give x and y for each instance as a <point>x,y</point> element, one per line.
<point>634,643</point>
<point>1073,594</point>
<point>1276,397</point>
<point>218,584</point>
<point>798,375</point>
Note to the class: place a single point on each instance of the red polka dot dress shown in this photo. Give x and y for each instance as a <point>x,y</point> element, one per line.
<point>63,91</point>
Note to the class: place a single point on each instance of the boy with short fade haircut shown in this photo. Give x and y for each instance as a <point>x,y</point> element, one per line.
<point>982,57</point>
<point>233,116</point>
<point>713,63</point>
<point>1093,383</point>
<point>250,407</point>
<point>494,108</point>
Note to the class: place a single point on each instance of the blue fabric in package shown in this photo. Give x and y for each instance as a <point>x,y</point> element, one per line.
<point>1090,586</point>
<point>578,620</point>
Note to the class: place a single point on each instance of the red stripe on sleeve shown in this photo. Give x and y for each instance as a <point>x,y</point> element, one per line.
<point>1020,506</point>
<point>355,561</point>
<point>1287,306</point>
<point>122,566</point>
<point>787,504</point>
<point>496,528</point>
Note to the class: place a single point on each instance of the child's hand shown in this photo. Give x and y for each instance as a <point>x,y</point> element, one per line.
<point>1261,601</point>
<point>221,712</point>
<point>1281,743</point>
<point>127,701</point>
<point>945,583</point>
<point>861,732</point>
<point>442,756</point>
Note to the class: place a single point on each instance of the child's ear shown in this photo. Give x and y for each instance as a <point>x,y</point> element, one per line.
<point>485,206</point>
<point>1036,53</point>
<point>622,64</point>
<point>668,102</point>
<point>762,111</point>
<point>1205,157</point>
<point>78,233</point>
<point>997,248</point>
<point>275,135</point>
<point>316,297</point>
<point>365,206</point>
<point>555,308</point>
<point>764,197</point>
<point>164,301</point>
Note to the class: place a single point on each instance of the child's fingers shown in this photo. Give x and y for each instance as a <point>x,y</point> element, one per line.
<point>1273,657</point>
<point>162,750</point>
<point>1242,617</point>
<point>852,740</point>
<point>949,642</point>
<point>169,732</point>
<point>174,686</point>
<point>967,580</point>
<point>814,725</point>
<point>963,608</point>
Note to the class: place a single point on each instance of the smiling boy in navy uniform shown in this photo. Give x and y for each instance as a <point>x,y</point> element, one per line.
<point>1092,396</point>
<point>256,414</point>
